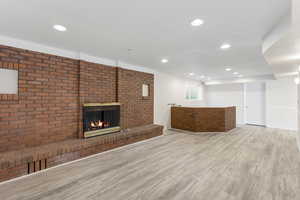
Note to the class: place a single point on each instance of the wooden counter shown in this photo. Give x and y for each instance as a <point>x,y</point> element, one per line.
<point>203,119</point>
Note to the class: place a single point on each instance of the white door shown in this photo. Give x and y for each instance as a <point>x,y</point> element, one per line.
<point>255,101</point>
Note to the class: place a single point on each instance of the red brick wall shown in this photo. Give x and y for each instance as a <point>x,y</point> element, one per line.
<point>97,85</point>
<point>203,119</point>
<point>135,110</point>
<point>52,90</point>
<point>47,106</point>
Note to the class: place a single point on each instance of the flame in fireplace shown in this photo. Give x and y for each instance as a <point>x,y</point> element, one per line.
<point>99,124</point>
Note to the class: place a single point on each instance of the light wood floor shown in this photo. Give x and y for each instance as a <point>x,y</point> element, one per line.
<point>248,163</point>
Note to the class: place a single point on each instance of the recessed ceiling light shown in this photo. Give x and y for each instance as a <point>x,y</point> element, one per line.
<point>225,46</point>
<point>197,22</point>
<point>164,60</point>
<point>59,28</point>
<point>192,74</point>
<point>235,73</point>
<point>228,69</point>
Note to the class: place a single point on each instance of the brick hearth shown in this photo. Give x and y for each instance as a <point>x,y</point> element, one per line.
<point>15,163</point>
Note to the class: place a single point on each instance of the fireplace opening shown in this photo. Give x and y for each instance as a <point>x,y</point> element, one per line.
<point>99,119</point>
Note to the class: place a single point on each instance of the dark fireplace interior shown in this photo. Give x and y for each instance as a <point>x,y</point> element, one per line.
<point>100,117</point>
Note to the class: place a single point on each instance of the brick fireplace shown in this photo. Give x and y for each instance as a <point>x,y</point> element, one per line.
<point>50,104</point>
<point>99,119</point>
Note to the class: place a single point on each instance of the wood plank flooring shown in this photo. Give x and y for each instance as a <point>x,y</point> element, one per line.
<point>248,163</point>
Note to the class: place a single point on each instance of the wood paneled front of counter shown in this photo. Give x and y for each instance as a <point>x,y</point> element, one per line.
<point>203,119</point>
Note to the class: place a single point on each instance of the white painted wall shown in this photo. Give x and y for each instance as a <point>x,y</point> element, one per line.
<point>171,89</point>
<point>281,101</point>
<point>281,104</point>
<point>227,95</point>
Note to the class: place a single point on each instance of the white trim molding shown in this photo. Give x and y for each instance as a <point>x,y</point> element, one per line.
<point>98,60</point>
<point>134,67</point>
<point>32,46</point>
<point>28,45</point>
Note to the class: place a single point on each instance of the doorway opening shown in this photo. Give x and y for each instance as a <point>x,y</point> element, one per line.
<point>255,103</point>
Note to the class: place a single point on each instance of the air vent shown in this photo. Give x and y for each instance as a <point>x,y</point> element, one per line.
<point>36,166</point>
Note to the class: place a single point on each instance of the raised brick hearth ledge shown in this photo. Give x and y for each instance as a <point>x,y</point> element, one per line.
<point>16,163</point>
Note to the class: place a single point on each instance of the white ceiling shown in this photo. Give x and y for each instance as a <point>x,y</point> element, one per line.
<point>153,30</point>
<point>284,54</point>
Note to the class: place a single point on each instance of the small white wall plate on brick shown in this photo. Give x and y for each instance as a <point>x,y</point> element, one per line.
<point>146,92</point>
<point>8,81</point>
